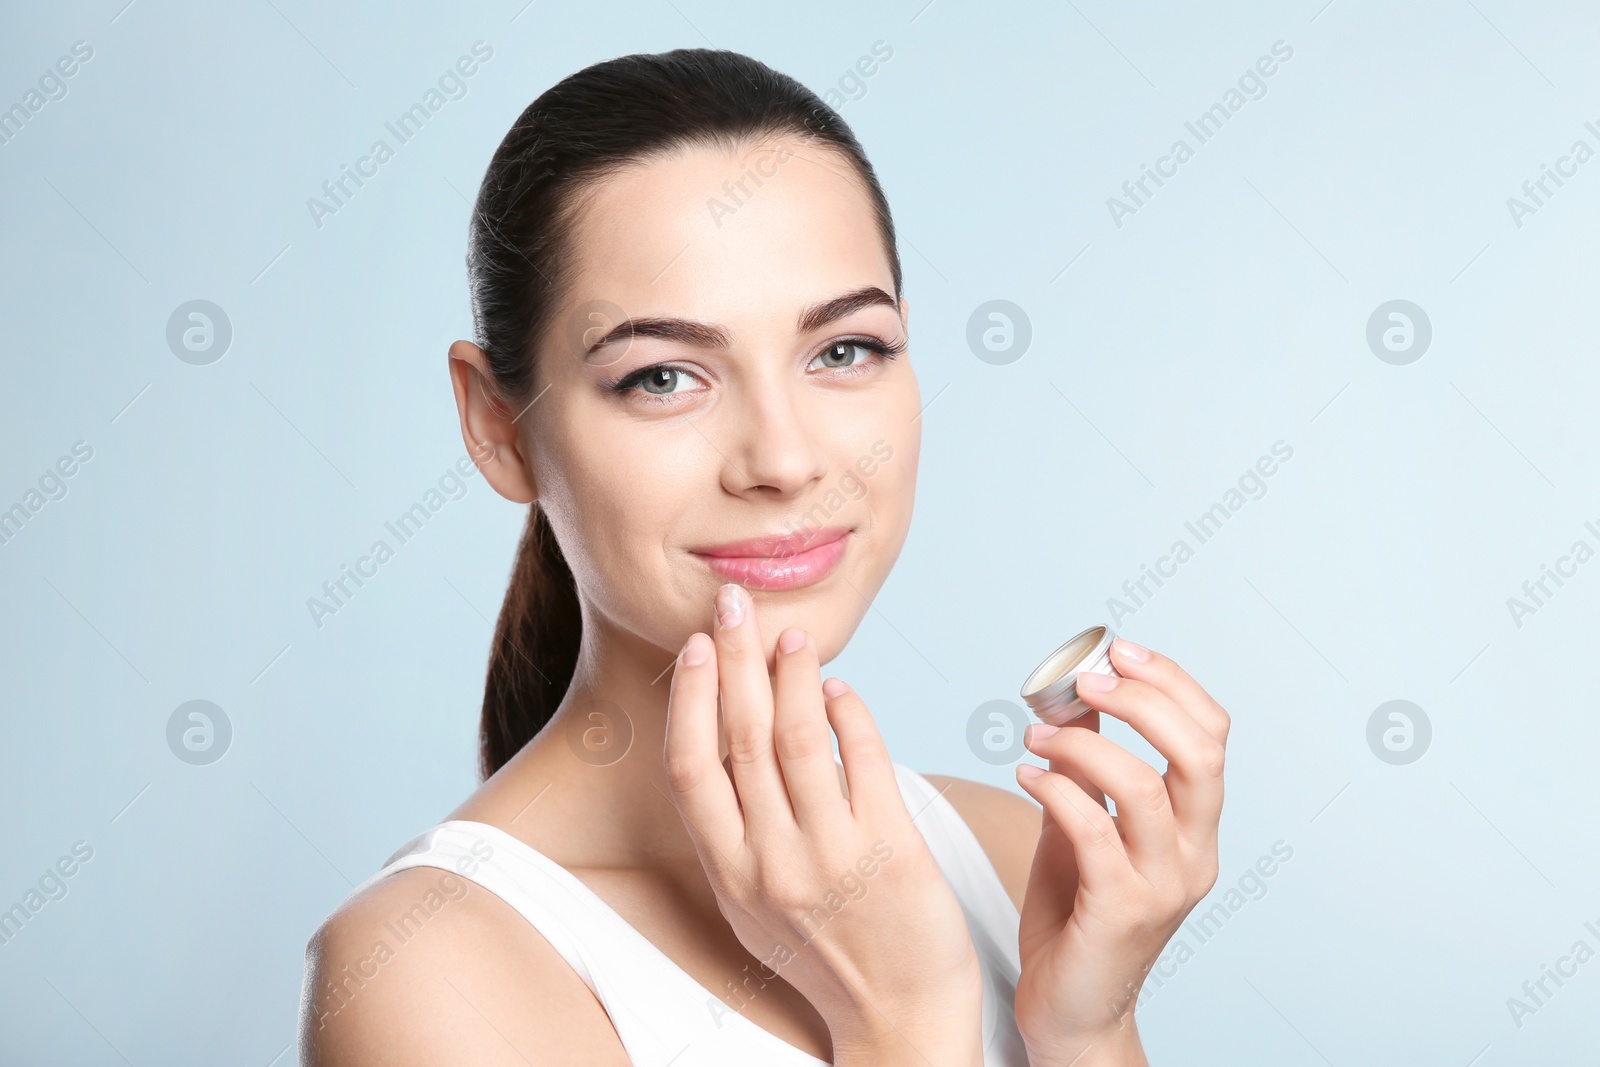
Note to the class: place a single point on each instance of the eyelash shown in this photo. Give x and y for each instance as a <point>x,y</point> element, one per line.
<point>884,349</point>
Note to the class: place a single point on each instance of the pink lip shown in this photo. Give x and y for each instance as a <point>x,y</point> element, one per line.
<point>787,562</point>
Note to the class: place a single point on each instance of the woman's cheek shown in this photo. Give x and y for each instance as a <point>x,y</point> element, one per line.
<point>898,467</point>
<point>898,508</point>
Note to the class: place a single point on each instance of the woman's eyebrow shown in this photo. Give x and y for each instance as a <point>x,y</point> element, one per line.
<point>819,315</point>
<point>707,335</point>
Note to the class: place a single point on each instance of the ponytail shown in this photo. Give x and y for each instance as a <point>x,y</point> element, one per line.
<point>535,646</point>
<point>591,124</point>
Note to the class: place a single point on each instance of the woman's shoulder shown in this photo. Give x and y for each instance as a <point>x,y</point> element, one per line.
<point>1006,824</point>
<point>424,967</point>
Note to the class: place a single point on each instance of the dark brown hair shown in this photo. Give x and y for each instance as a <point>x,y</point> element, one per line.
<point>589,125</point>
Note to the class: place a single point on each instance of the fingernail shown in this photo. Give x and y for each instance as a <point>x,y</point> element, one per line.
<point>730,607</point>
<point>791,640</point>
<point>833,687</point>
<point>695,650</point>
<point>1037,732</point>
<point>1029,771</point>
<point>1094,682</point>
<point>1137,653</point>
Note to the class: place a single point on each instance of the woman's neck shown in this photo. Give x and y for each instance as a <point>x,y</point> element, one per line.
<point>590,789</point>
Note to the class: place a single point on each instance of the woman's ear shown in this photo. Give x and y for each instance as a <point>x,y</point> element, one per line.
<point>488,427</point>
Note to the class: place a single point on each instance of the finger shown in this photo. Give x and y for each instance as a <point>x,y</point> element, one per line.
<point>701,790</point>
<point>1053,879</point>
<point>1194,756</point>
<point>801,737</point>
<point>1144,811</point>
<point>747,713</point>
<point>868,770</point>
<point>1136,661</point>
<point>1102,858</point>
<point>1088,720</point>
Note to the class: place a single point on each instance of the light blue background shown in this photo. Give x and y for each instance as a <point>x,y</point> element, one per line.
<point>1228,313</point>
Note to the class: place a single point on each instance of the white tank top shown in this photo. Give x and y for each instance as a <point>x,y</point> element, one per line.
<point>662,1014</point>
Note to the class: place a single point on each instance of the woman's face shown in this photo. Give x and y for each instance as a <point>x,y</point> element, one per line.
<point>749,400</point>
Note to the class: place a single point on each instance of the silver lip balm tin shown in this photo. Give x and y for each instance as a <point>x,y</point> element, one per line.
<point>1052,689</point>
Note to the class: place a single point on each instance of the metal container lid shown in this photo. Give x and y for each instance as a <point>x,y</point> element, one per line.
<point>1052,689</point>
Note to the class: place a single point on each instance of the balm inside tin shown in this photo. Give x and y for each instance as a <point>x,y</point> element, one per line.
<point>1052,689</point>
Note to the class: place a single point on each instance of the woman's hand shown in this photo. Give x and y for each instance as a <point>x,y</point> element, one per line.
<point>840,895</point>
<point>1107,892</point>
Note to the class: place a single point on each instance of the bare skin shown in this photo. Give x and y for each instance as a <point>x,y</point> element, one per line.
<point>515,997</point>
<point>746,435</point>
<point>761,436</point>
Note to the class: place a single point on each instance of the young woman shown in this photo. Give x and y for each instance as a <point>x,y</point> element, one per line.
<point>692,361</point>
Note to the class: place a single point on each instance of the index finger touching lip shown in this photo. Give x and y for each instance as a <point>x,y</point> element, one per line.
<point>703,793</point>
<point>747,711</point>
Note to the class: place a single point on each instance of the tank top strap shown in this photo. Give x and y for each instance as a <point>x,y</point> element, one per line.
<point>661,1013</point>
<point>965,864</point>
<point>992,917</point>
<point>513,871</point>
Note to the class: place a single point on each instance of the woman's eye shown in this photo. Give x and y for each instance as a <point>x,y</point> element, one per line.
<point>842,354</point>
<point>661,381</point>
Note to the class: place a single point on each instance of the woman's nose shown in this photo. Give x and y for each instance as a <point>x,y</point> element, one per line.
<point>774,442</point>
